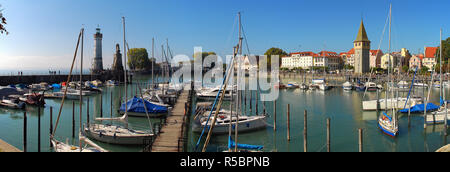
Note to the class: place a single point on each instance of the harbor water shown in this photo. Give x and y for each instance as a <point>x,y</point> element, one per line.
<point>344,108</point>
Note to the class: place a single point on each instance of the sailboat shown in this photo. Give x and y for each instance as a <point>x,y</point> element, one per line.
<point>245,123</point>
<point>386,123</point>
<point>135,107</point>
<point>115,134</point>
<point>222,120</point>
<point>59,146</point>
<point>440,116</point>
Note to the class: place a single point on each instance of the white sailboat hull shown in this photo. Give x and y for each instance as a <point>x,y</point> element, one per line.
<point>113,135</point>
<point>255,123</point>
<point>437,117</point>
<point>398,103</point>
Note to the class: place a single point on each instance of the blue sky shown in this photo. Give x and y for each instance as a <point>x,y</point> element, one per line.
<point>43,32</point>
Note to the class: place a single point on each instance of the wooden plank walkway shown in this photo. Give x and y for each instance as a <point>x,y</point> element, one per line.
<point>168,139</point>
<point>5,147</point>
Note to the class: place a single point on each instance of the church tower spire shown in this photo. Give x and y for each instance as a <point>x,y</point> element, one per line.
<point>362,51</point>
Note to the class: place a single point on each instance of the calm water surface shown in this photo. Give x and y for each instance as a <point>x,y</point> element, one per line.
<point>344,109</point>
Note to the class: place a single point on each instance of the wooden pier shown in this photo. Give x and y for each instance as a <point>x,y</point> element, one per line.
<point>172,136</point>
<point>5,147</point>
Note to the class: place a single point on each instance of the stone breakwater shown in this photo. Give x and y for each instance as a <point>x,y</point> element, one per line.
<point>35,79</point>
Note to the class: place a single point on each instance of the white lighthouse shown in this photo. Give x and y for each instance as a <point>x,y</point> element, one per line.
<point>97,65</point>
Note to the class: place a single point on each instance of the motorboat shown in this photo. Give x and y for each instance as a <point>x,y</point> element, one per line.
<point>71,94</point>
<point>279,85</point>
<point>111,83</point>
<point>12,103</point>
<point>420,85</point>
<point>371,86</point>
<point>321,83</point>
<point>97,83</point>
<point>40,87</point>
<point>211,94</point>
<point>403,85</point>
<point>36,99</point>
<point>437,84</point>
<point>303,86</point>
<point>360,87</point>
<point>347,86</point>
<point>292,85</point>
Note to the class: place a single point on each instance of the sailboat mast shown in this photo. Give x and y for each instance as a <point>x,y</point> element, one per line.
<point>440,52</point>
<point>153,59</point>
<point>239,101</point>
<point>167,60</point>
<point>390,66</point>
<point>441,88</point>
<point>81,85</point>
<point>125,66</point>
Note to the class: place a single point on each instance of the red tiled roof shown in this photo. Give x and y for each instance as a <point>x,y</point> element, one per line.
<point>327,53</point>
<point>374,52</point>
<point>421,56</point>
<point>352,51</point>
<point>308,53</point>
<point>430,52</point>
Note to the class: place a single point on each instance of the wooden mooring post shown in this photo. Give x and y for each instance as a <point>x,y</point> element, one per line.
<point>39,129</point>
<point>288,123</point>
<point>360,141</point>
<point>25,131</point>
<point>275,115</point>
<point>101,106</point>
<point>87,112</point>
<point>305,132</point>
<point>328,135</point>
<point>378,100</point>
<point>111,104</point>
<point>51,125</point>
<point>73,119</point>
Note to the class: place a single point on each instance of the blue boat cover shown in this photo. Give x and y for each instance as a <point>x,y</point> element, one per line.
<point>57,86</point>
<point>420,108</point>
<point>232,144</point>
<point>136,105</point>
<point>22,86</point>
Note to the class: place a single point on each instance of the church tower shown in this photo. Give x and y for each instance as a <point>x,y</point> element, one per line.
<point>362,51</point>
<point>97,64</point>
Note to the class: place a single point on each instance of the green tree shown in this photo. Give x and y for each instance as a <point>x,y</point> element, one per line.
<point>405,68</point>
<point>424,70</point>
<point>445,51</point>
<point>272,52</point>
<point>2,23</point>
<point>348,67</point>
<point>203,55</point>
<point>297,69</point>
<point>138,59</point>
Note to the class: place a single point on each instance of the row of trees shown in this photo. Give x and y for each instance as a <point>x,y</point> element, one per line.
<point>138,59</point>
